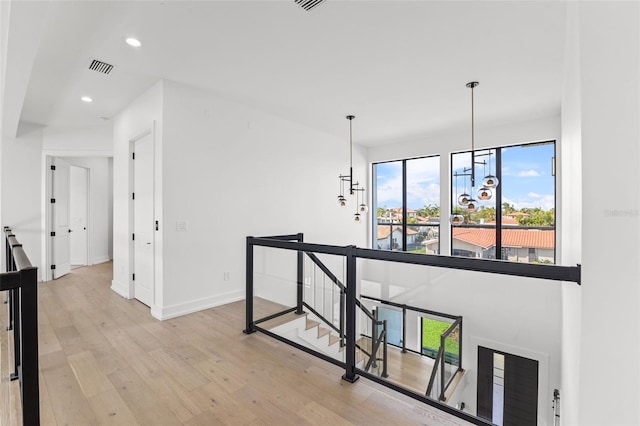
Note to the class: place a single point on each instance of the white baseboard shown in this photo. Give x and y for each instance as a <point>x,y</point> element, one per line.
<point>121,288</point>
<point>168,312</point>
<point>100,259</point>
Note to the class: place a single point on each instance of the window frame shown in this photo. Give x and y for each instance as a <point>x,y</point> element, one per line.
<point>404,225</point>
<point>498,194</point>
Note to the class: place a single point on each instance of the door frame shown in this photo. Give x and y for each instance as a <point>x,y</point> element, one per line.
<point>545,415</point>
<point>88,210</point>
<point>47,190</point>
<point>132,266</point>
<point>156,306</point>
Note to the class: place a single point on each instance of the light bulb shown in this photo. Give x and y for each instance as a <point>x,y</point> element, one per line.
<point>472,206</point>
<point>484,193</point>
<point>356,217</point>
<point>363,208</point>
<point>456,219</point>
<point>464,199</point>
<point>342,202</point>
<point>490,181</point>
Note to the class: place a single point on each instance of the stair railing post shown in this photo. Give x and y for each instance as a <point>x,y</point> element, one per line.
<point>250,326</point>
<point>442,367</point>
<point>342,307</point>
<point>384,350</point>
<point>374,337</point>
<point>28,311</point>
<point>350,364</point>
<point>300,277</point>
<point>404,329</point>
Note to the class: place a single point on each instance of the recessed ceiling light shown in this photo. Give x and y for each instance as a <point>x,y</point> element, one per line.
<point>86,99</point>
<point>133,42</point>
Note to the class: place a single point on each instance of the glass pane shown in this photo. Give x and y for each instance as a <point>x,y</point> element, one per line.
<point>388,205</point>
<point>476,237</point>
<point>394,324</point>
<point>423,205</point>
<point>528,208</point>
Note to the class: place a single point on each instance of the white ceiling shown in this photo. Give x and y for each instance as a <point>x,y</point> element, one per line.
<point>400,67</point>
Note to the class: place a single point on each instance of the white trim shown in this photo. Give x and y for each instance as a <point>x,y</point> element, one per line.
<point>121,289</point>
<point>100,259</point>
<point>196,305</point>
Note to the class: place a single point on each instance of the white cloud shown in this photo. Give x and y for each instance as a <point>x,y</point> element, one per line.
<point>528,173</point>
<point>533,195</point>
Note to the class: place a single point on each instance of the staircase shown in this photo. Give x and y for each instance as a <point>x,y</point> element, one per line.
<point>311,333</point>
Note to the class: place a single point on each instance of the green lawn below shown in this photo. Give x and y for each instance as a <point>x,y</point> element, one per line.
<point>431,332</point>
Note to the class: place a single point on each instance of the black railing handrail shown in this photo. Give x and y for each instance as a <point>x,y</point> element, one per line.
<point>528,270</point>
<point>326,270</point>
<point>436,364</point>
<point>21,283</point>
<point>411,308</point>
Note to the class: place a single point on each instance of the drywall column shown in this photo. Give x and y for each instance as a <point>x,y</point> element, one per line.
<point>609,91</point>
<point>569,226</point>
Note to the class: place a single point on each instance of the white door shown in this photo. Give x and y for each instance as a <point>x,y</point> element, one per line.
<point>79,209</point>
<point>143,221</point>
<point>61,258</point>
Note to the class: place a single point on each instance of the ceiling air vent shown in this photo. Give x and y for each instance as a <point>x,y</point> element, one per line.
<point>309,4</point>
<point>100,66</point>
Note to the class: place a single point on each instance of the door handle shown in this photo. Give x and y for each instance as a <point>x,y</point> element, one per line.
<point>70,230</point>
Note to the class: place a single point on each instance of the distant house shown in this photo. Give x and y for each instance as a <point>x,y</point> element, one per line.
<point>389,239</point>
<point>519,245</point>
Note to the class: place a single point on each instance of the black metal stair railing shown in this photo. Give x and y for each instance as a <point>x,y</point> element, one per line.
<point>21,283</point>
<point>350,304</point>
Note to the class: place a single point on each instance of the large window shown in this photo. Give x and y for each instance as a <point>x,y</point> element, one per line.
<point>406,204</point>
<point>517,223</point>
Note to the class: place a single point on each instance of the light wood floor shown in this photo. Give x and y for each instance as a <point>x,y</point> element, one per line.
<point>105,360</point>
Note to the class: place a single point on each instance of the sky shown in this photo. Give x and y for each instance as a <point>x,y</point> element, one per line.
<point>527,179</point>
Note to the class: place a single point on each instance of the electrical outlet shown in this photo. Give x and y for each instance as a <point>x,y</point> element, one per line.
<point>181,226</point>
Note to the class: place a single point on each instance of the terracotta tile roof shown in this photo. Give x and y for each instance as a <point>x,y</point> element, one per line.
<point>385,230</point>
<point>486,237</point>
<point>505,221</point>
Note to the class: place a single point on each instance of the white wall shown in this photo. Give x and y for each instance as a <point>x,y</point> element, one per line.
<point>21,189</point>
<point>230,171</point>
<point>609,49</point>
<point>100,205</point>
<point>84,141</point>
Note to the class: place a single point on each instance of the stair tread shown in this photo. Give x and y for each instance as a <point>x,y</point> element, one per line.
<point>333,339</point>
<point>311,324</point>
<point>323,331</point>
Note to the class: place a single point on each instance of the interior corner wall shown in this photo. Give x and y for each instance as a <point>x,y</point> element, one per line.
<point>569,225</point>
<point>610,107</point>
<point>230,171</point>
<point>21,190</point>
<point>100,215</point>
<point>143,114</point>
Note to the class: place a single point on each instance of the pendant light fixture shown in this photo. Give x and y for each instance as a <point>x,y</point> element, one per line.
<point>354,187</point>
<point>456,219</point>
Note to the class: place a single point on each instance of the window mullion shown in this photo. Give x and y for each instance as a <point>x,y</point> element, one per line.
<point>498,191</point>
<point>404,205</point>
